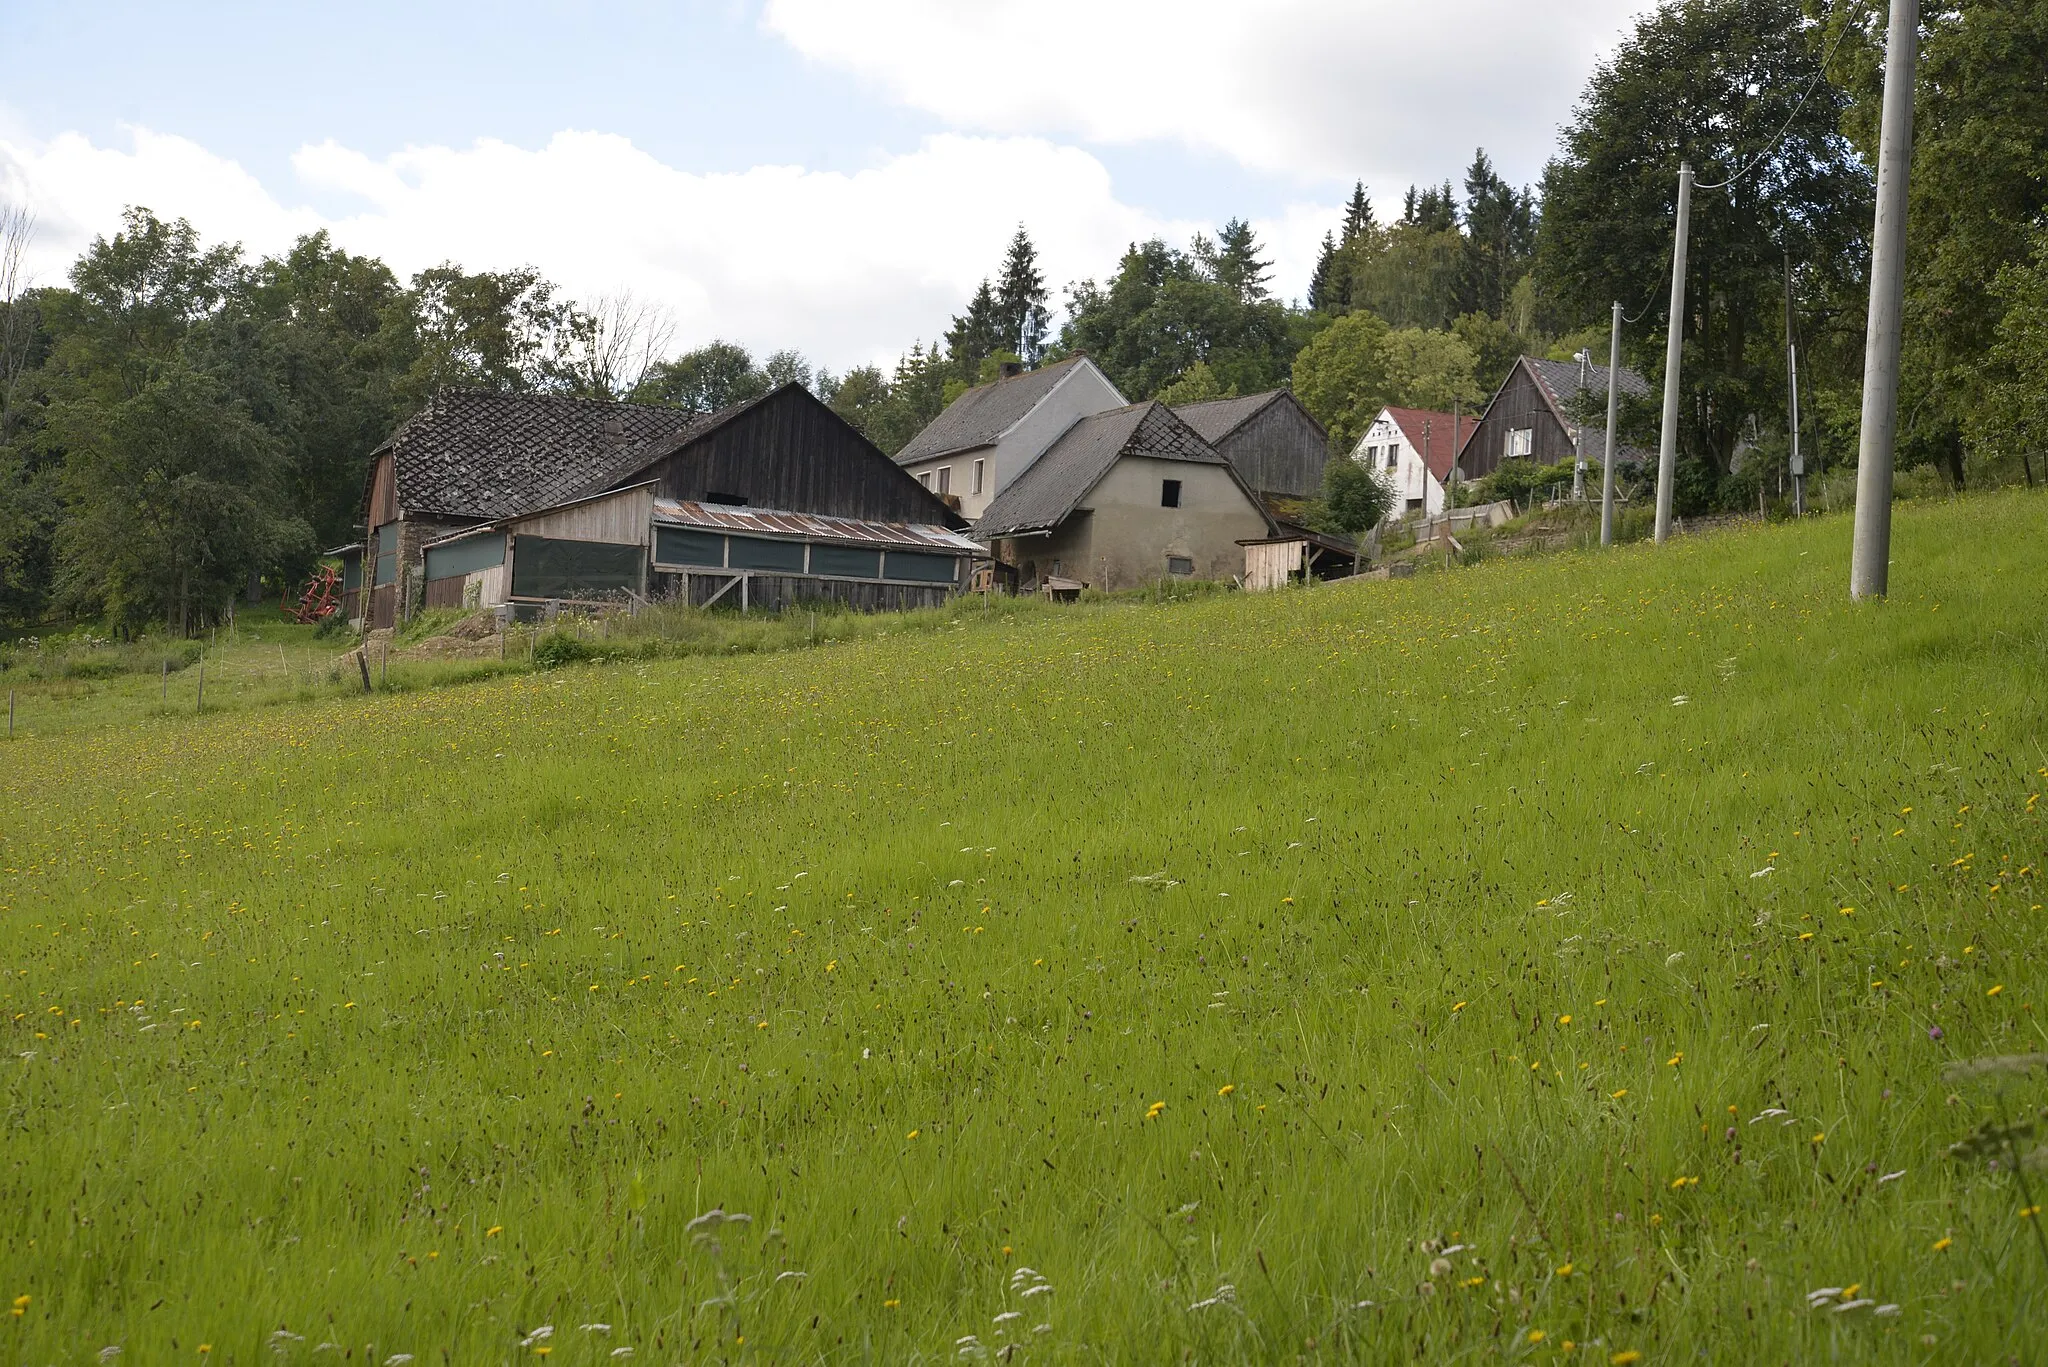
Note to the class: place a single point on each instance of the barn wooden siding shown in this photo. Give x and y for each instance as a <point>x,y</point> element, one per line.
<point>773,592</point>
<point>1280,450</point>
<point>790,451</point>
<point>1520,403</point>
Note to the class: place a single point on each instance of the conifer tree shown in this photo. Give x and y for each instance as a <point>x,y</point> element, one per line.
<point>1020,301</point>
<point>1237,265</point>
<point>1358,220</point>
<point>1320,295</point>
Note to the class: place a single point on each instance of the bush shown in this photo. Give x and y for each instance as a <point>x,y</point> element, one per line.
<point>559,648</point>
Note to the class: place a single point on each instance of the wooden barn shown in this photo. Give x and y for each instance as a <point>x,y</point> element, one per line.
<point>771,503</point>
<point>546,467</point>
<point>1269,439</point>
<point>1533,416</point>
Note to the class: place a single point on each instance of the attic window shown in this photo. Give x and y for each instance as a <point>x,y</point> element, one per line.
<point>729,500</point>
<point>1169,495</point>
<point>1521,441</point>
<point>1180,565</point>
<point>1393,456</point>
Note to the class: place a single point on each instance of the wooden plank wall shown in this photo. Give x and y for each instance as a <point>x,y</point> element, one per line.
<point>1280,451</point>
<point>791,452</point>
<point>1520,403</point>
<point>1268,566</point>
<point>622,518</point>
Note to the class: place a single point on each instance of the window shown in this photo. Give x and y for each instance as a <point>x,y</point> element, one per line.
<point>1521,441</point>
<point>925,479</point>
<point>1169,493</point>
<point>847,561</point>
<point>758,553</point>
<point>686,546</point>
<point>1393,456</point>
<point>945,479</point>
<point>729,500</point>
<point>977,474</point>
<point>925,569</point>
<point>1372,455</point>
<point>1181,565</point>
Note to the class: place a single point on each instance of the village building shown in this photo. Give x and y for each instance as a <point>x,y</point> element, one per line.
<point>1278,448</point>
<point>517,501</point>
<point>1124,498</point>
<point>992,434</point>
<point>1416,452</point>
<point>1549,411</point>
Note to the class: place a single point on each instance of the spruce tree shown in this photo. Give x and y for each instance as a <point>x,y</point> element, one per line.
<point>976,334</point>
<point>1238,266</point>
<point>1320,296</point>
<point>1358,220</point>
<point>1020,301</point>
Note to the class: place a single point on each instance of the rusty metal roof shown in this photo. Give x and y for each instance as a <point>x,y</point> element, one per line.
<point>773,522</point>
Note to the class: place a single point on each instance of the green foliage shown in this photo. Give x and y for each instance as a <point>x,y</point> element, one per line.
<point>2014,416</point>
<point>1165,310</point>
<point>1355,498</point>
<point>716,375</point>
<point>558,647</point>
<point>1198,385</point>
<point>1712,82</point>
<point>1358,365</point>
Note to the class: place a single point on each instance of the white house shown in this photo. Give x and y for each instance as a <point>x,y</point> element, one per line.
<point>1415,451</point>
<point>993,433</point>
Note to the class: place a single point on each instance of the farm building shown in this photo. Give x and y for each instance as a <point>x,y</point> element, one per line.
<point>991,434</point>
<point>1415,451</point>
<point>1124,498</point>
<point>1532,417</point>
<point>512,465</point>
<point>1270,438</point>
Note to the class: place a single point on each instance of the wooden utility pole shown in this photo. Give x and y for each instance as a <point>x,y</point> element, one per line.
<point>1667,441</point>
<point>1870,553</point>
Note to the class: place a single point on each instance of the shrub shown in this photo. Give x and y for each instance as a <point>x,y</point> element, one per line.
<point>559,648</point>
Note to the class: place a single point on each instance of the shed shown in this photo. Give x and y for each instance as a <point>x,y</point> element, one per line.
<point>1269,439</point>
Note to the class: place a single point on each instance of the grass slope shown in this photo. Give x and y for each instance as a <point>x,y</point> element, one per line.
<point>1559,952</point>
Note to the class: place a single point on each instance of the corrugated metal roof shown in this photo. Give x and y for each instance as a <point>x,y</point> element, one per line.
<point>774,522</point>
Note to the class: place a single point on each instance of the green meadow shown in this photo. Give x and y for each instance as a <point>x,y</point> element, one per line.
<point>1583,959</point>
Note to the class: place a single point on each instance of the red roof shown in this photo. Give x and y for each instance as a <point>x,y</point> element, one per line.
<point>1439,450</point>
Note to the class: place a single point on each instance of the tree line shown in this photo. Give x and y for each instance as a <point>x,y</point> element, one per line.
<point>178,419</point>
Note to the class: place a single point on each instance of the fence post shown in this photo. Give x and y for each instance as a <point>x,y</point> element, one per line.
<point>10,714</point>
<point>167,679</point>
<point>199,699</point>
<point>363,663</point>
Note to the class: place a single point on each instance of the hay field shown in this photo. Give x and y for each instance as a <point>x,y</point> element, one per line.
<point>1552,961</point>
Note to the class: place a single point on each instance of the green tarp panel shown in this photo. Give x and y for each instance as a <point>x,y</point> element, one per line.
<point>549,567</point>
<point>351,573</point>
<point>925,569</point>
<point>386,548</point>
<point>465,556</point>
<point>753,553</point>
<point>847,561</point>
<point>682,546</point>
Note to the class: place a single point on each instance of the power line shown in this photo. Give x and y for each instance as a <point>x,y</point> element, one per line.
<point>1819,73</point>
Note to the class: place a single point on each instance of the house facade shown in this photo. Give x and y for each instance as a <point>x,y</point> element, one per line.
<point>1548,411</point>
<point>513,520</point>
<point>1125,498</point>
<point>993,433</point>
<point>1416,452</point>
<point>1269,438</point>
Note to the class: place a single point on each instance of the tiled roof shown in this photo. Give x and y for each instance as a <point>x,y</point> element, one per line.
<point>478,453</point>
<point>984,413</point>
<point>1046,493</point>
<point>1436,444</point>
<point>1218,418</point>
<point>1560,382</point>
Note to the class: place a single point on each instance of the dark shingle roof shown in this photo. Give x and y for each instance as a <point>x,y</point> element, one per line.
<point>477,453</point>
<point>1560,381</point>
<point>984,413</point>
<point>1218,418</point>
<point>1047,492</point>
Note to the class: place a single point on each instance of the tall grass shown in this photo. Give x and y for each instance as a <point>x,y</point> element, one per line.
<point>1560,951</point>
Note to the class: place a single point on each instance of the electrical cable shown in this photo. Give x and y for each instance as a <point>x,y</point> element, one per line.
<point>1754,161</point>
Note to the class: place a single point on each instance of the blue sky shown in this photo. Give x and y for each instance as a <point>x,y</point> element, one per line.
<point>829,174</point>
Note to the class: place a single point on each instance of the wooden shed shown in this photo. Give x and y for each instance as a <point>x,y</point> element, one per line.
<point>1269,439</point>
<point>1547,411</point>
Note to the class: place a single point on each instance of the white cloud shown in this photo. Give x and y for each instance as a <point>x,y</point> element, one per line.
<point>1393,91</point>
<point>850,268</point>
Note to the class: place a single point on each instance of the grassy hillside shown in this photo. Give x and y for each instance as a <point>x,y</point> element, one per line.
<point>1552,961</point>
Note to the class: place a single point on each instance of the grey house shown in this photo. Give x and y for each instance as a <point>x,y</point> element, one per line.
<point>1121,499</point>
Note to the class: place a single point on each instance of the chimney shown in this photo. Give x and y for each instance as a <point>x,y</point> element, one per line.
<point>1009,370</point>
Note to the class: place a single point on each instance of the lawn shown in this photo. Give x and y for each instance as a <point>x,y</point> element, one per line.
<point>1577,959</point>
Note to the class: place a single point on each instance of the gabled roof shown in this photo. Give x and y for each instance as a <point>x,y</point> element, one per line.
<point>630,460</point>
<point>981,415</point>
<point>482,454</point>
<point>1048,492</point>
<point>1437,444</point>
<point>1216,419</point>
<point>1559,382</point>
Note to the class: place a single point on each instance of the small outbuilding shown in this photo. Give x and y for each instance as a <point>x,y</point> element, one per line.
<point>1270,439</point>
<point>1548,411</point>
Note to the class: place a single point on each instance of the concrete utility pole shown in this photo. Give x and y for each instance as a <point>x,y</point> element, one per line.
<point>1870,554</point>
<point>1613,417</point>
<point>1585,359</point>
<point>1798,462</point>
<point>1667,441</point>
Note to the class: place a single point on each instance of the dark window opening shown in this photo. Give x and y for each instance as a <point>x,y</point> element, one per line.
<point>729,500</point>
<point>1180,565</point>
<point>1169,493</point>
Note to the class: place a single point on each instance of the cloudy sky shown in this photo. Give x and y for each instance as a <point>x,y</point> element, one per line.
<point>833,175</point>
